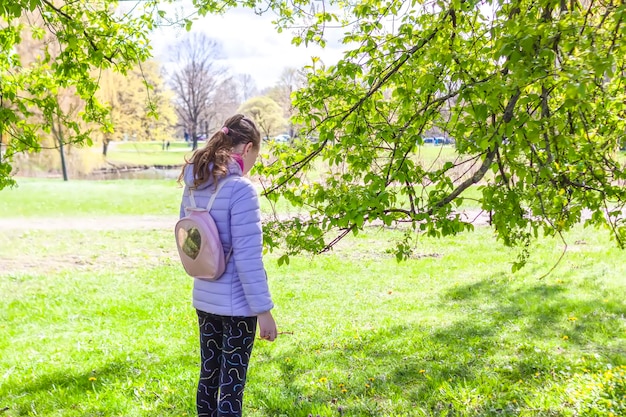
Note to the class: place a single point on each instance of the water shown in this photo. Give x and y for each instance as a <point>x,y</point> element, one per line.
<point>149,173</point>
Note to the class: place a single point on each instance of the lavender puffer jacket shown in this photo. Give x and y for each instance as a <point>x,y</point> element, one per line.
<point>243,289</point>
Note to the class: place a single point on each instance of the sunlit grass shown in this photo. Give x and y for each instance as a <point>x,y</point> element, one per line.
<point>54,198</point>
<point>79,199</point>
<point>99,322</point>
<point>149,153</point>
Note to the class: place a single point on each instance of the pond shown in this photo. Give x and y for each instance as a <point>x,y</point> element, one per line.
<point>134,173</point>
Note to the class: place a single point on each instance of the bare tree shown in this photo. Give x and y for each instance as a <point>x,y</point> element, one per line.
<point>195,78</point>
<point>247,86</point>
<point>290,80</point>
<point>225,103</point>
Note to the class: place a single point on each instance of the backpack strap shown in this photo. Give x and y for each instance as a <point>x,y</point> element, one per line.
<point>208,208</point>
<point>220,184</point>
<point>192,200</point>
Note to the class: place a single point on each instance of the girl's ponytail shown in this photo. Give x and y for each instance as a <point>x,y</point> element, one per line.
<point>212,160</point>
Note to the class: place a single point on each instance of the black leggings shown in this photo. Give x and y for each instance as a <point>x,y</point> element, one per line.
<point>225,347</point>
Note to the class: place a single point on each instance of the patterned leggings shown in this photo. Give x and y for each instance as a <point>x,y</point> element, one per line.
<point>225,347</point>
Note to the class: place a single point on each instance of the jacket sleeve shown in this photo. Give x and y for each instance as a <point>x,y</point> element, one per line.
<point>247,241</point>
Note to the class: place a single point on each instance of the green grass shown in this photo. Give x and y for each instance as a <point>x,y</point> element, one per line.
<point>56,198</point>
<point>431,153</point>
<point>138,147</point>
<point>148,153</point>
<point>152,153</point>
<point>99,323</point>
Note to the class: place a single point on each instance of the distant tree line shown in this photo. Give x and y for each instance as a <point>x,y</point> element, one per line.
<point>186,95</point>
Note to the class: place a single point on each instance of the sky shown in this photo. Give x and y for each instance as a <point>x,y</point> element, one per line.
<point>251,44</point>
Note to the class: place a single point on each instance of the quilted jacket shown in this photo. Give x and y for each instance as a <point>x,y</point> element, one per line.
<point>243,289</point>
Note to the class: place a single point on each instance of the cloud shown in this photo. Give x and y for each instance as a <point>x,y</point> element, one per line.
<point>250,45</point>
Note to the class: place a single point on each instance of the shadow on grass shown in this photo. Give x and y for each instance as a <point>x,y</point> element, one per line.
<point>497,345</point>
<point>117,387</point>
<point>502,347</point>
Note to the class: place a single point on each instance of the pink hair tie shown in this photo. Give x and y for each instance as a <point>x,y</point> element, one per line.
<point>225,130</point>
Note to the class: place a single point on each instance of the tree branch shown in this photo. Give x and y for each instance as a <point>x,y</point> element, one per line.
<point>478,175</point>
<point>87,36</point>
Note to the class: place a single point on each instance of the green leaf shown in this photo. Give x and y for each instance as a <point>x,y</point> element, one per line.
<point>284,259</point>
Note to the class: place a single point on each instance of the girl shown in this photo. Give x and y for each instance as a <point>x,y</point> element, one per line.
<point>229,307</point>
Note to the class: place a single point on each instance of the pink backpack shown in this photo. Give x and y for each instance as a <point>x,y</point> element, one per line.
<point>198,240</point>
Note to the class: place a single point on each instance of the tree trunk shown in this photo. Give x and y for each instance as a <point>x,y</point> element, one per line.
<point>194,138</point>
<point>57,132</point>
<point>105,146</point>
<point>63,166</point>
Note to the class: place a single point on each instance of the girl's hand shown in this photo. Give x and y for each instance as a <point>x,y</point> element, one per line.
<point>267,326</point>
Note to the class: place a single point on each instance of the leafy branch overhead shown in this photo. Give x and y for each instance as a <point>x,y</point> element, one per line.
<point>49,46</point>
<point>532,93</point>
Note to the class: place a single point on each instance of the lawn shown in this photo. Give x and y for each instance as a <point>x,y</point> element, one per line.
<point>55,198</point>
<point>149,153</point>
<point>97,321</point>
<point>154,153</point>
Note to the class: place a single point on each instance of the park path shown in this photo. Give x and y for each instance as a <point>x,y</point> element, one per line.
<point>15,233</point>
<point>81,255</point>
